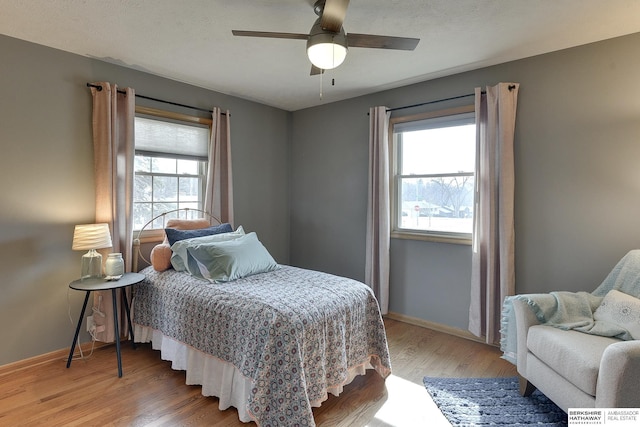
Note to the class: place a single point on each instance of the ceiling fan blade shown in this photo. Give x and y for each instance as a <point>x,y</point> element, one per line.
<point>381,42</point>
<point>333,15</point>
<point>315,70</point>
<point>269,34</point>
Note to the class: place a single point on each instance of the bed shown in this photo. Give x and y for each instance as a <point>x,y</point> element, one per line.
<point>272,343</point>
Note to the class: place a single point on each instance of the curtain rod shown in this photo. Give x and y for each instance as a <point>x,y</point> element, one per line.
<point>431,102</point>
<point>99,88</point>
<point>511,87</point>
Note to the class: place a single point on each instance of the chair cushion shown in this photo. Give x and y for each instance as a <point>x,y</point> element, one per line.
<point>574,355</point>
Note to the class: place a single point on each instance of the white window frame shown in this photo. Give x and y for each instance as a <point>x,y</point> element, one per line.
<point>395,193</point>
<point>157,234</point>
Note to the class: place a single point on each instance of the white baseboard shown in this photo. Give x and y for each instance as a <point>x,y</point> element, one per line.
<point>434,326</point>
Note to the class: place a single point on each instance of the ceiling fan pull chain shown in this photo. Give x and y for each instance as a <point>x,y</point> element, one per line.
<point>321,73</point>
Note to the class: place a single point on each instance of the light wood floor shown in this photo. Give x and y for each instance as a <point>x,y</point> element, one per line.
<point>150,393</point>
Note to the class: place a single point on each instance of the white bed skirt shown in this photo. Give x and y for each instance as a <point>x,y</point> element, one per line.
<point>217,377</point>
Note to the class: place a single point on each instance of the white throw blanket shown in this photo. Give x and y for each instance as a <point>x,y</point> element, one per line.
<point>573,310</point>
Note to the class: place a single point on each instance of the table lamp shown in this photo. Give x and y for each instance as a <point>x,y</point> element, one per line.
<point>91,237</point>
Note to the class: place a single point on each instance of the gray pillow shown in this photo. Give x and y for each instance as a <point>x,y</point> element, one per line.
<point>179,256</point>
<point>230,260</point>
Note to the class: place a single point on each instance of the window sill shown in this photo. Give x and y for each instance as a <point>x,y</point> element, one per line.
<point>149,236</point>
<point>407,235</point>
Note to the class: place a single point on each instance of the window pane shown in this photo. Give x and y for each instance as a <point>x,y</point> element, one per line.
<point>165,188</point>
<point>163,165</point>
<point>141,215</point>
<point>142,189</point>
<point>191,214</point>
<point>142,164</point>
<point>442,204</point>
<point>441,150</point>
<point>188,167</point>
<point>159,208</point>
<point>189,189</point>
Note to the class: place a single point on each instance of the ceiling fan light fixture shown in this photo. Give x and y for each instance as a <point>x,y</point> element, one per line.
<point>327,42</point>
<point>326,49</point>
<point>326,55</point>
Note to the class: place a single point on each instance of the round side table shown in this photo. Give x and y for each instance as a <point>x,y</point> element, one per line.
<point>89,285</point>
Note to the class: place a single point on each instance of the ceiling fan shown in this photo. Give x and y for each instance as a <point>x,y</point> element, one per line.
<point>327,42</point>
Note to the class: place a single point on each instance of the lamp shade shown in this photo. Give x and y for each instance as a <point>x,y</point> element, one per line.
<point>91,236</point>
<point>326,49</point>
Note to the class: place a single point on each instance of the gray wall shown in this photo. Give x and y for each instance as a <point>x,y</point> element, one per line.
<point>300,180</point>
<point>577,207</point>
<point>46,185</point>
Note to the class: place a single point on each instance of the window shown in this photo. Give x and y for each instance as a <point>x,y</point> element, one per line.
<point>170,164</point>
<point>433,167</point>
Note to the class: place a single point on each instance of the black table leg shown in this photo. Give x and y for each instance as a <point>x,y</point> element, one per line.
<point>116,330</point>
<point>126,309</point>
<point>75,337</point>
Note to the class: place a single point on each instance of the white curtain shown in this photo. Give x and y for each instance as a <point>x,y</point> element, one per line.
<point>378,222</point>
<point>218,200</point>
<point>113,149</point>
<point>493,269</point>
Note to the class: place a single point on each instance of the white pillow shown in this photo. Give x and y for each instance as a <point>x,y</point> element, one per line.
<point>622,310</point>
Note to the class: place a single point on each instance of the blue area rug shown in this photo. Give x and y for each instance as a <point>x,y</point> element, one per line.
<point>492,402</point>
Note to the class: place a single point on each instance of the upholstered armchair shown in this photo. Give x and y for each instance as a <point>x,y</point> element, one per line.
<point>582,350</point>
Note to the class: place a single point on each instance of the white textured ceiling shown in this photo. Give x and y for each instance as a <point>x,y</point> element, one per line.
<point>191,40</point>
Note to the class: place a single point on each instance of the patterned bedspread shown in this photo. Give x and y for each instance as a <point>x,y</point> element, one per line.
<point>293,332</point>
